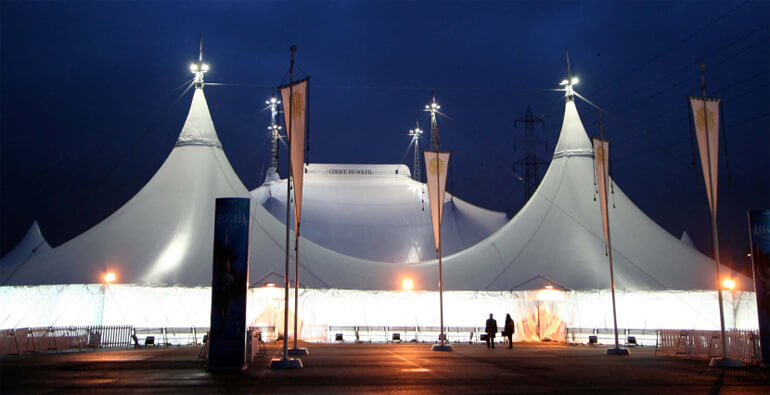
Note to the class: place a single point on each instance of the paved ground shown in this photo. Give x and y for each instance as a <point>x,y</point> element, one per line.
<point>381,368</point>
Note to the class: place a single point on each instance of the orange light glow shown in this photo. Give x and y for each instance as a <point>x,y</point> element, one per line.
<point>407,284</point>
<point>109,277</point>
<point>270,285</point>
<point>549,286</point>
<point>728,283</point>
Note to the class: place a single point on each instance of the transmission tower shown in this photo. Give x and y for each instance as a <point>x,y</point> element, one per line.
<point>530,160</point>
<point>416,134</point>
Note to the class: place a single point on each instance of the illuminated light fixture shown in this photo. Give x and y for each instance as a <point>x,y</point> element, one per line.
<point>270,285</point>
<point>407,284</point>
<point>728,283</point>
<point>748,254</point>
<point>575,80</point>
<point>549,286</point>
<point>109,277</point>
<point>564,82</point>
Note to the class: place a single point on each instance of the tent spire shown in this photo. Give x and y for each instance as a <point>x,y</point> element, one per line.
<point>199,68</point>
<point>567,83</point>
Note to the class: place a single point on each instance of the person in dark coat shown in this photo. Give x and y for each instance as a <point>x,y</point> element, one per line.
<point>509,330</point>
<point>491,330</point>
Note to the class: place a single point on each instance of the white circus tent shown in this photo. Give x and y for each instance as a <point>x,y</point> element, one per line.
<point>160,244</point>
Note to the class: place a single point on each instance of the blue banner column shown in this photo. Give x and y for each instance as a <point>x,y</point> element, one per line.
<point>759,229</point>
<point>229,282</point>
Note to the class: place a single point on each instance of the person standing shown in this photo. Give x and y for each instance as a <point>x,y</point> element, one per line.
<point>509,330</point>
<point>491,330</point>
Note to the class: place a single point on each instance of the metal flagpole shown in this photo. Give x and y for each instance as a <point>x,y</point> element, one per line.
<point>605,165</point>
<point>713,212</point>
<point>440,270</point>
<point>285,362</point>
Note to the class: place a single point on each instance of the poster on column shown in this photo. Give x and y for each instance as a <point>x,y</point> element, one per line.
<point>229,283</point>
<point>759,230</point>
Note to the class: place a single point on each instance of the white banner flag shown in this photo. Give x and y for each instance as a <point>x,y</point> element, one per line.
<point>295,103</point>
<point>602,165</point>
<point>436,164</point>
<point>706,119</point>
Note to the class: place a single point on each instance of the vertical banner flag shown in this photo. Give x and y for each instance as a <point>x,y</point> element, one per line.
<point>759,230</point>
<point>229,283</point>
<point>706,118</point>
<point>436,164</point>
<point>294,110</point>
<point>602,165</point>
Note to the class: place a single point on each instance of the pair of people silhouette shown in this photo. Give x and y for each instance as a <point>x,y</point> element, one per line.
<point>491,329</point>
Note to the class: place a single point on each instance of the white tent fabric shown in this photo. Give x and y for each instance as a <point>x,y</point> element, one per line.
<point>164,234</point>
<point>378,213</point>
<point>33,243</point>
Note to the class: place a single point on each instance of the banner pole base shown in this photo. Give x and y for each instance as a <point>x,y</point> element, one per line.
<point>725,363</point>
<point>618,351</point>
<point>441,347</point>
<point>298,352</point>
<point>287,363</point>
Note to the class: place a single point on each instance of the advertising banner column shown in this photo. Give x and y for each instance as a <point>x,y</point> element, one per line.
<point>759,229</point>
<point>229,283</point>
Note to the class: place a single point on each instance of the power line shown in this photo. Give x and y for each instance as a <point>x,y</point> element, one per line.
<point>671,48</point>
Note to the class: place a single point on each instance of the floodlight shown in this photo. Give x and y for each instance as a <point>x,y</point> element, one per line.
<point>728,283</point>
<point>270,285</point>
<point>205,67</point>
<point>564,82</point>
<point>549,286</point>
<point>109,277</point>
<point>407,284</point>
<point>193,67</point>
<point>575,80</point>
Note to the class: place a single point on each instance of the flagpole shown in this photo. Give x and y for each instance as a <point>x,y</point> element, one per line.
<point>440,269</point>
<point>713,207</point>
<point>285,362</point>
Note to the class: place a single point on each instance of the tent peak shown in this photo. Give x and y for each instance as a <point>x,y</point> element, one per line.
<point>573,139</point>
<point>198,129</point>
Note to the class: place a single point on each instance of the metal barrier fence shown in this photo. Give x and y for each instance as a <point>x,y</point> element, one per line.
<point>20,341</point>
<point>741,344</point>
<point>626,336</point>
<point>418,334</point>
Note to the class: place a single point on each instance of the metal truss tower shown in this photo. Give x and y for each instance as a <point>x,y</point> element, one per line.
<point>530,162</point>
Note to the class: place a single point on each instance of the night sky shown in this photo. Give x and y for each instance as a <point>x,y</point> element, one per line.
<point>90,105</point>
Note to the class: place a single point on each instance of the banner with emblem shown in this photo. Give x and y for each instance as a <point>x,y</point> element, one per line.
<point>436,164</point>
<point>602,165</point>
<point>294,111</point>
<point>705,114</point>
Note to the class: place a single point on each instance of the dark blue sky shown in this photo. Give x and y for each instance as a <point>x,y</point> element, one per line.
<point>89,110</point>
